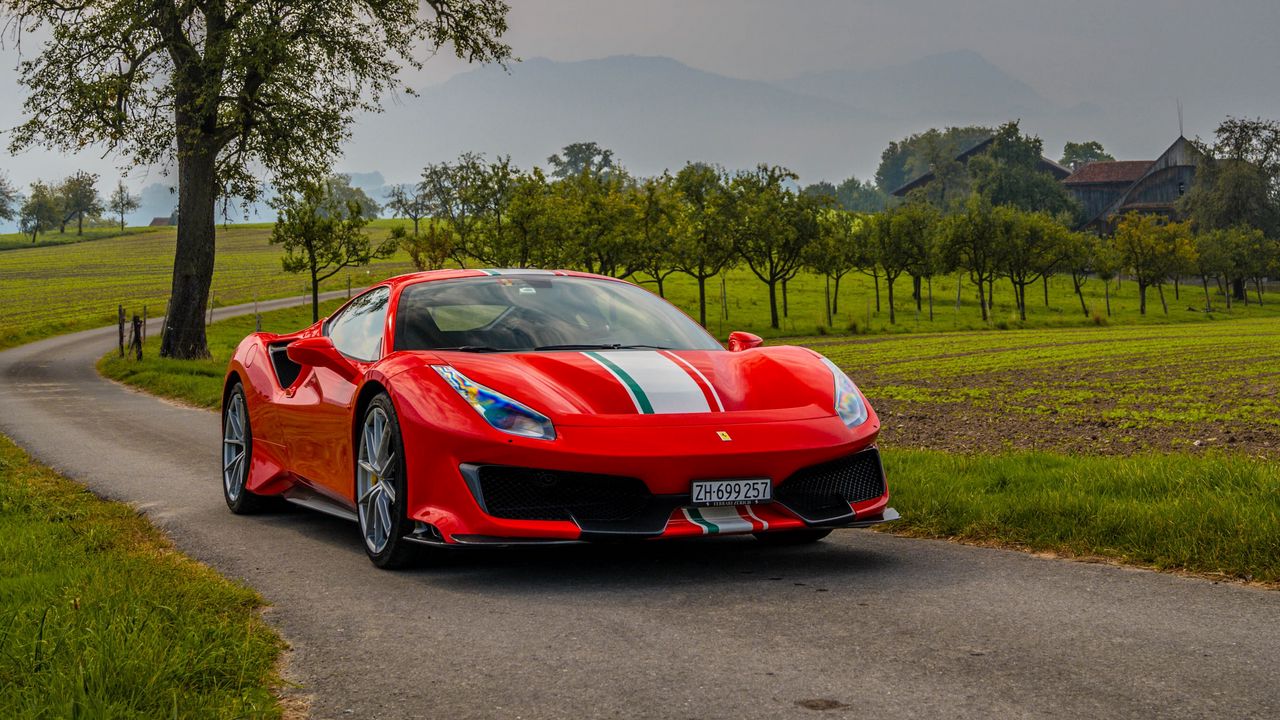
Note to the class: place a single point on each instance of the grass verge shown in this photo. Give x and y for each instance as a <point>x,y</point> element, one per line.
<point>1209,515</point>
<point>101,617</point>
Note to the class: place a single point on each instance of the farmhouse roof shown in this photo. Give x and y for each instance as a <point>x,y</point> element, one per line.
<point>161,222</point>
<point>1116,171</point>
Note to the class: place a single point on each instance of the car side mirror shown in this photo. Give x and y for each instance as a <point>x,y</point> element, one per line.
<point>739,341</point>
<point>320,352</point>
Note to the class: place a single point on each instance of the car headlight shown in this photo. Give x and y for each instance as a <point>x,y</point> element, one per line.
<point>849,405</point>
<point>497,409</point>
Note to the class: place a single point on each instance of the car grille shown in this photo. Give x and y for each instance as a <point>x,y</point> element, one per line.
<point>517,493</point>
<point>823,492</point>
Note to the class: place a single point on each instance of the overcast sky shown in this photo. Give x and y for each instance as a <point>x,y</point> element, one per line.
<point>1219,58</point>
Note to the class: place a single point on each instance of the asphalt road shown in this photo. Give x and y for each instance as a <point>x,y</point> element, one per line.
<point>865,624</point>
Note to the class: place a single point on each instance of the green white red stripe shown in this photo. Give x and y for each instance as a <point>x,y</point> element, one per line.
<point>659,382</point>
<point>732,520</point>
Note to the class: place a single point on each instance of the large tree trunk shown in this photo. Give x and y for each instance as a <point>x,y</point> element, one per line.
<point>1204,281</point>
<point>1075,280</point>
<point>1142,298</point>
<point>835,299</point>
<point>315,290</point>
<point>1163,304</point>
<point>1022,302</point>
<point>875,275</point>
<point>79,223</point>
<point>982,298</point>
<point>785,309</point>
<point>1046,291</point>
<point>1106,293</point>
<point>1237,289</point>
<point>193,260</point>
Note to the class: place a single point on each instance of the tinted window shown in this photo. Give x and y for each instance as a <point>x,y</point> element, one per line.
<point>357,330</point>
<point>528,312</point>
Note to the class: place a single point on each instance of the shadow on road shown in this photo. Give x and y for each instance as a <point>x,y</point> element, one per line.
<point>608,567</point>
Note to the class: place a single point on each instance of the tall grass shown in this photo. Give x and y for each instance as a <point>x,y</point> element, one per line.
<point>100,617</point>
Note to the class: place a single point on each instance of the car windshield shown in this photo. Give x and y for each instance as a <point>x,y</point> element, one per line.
<point>533,312</point>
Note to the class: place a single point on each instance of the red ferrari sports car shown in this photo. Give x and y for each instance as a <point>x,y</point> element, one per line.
<point>483,407</point>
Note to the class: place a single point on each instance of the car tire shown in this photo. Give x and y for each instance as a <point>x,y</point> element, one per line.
<point>237,454</point>
<point>806,536</point>
<point>380,487</point>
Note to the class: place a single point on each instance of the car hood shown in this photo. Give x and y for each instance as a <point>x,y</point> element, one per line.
<point>667,387</point>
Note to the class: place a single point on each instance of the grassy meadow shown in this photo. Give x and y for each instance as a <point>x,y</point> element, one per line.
<point>52,290</point>
<point>22,241</point>
<point>102,618</point>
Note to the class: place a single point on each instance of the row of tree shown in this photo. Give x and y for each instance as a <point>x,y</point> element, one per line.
<point>55,205</point>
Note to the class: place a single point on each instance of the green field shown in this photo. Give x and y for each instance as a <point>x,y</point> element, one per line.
<point>1078,441</point>
<point>1100,390</point>
<point>20,241</point>
<point>101,618</point>
<point>54,290</point>
<point>47,291</point>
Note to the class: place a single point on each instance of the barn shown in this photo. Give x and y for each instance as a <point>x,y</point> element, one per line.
<point>1108,190</point>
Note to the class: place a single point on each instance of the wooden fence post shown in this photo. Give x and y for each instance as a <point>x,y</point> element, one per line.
<point>135,339</point>
<point>120,315</point>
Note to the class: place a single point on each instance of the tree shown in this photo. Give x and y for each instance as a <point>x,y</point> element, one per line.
<point>341,192</point>
<point>971,241</point>
<point>766,227</point>
<point>1215,258</point>
<point>79,195</point>
<point>1151,248</point>
<point>1107,263</point>
<point>1080,258</point>
<point>597,221</point>
<point>428,251</point>
<point>1009,173</point>
<point>835,252</point>
<point>223,89</point>
<point>579,158</point>
<point>495,183</point>
<point>122,202</point>
<point>902,239</point>
<point>8,199</point>
<point>655,212</point>
<point>904,160</point>
<point>1033,247</point>
<point>860,197</point>
<point>323,234</point>
<point>456,193</point>
<point>409,201</point>
<point>534,232</point>
<point>1076,155</point>
<point>41,211</point>
<point>704,217</point>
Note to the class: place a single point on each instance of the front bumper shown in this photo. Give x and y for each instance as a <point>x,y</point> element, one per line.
<point>448,509</point>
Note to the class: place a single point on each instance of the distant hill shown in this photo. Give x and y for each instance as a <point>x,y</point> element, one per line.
<point>657,113</point>
<point>961,86</point>
<point>654,112</point>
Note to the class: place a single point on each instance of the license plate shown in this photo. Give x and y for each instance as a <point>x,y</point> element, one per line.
<point>747,491</point>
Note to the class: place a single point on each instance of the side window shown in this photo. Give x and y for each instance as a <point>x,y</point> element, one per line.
<point>357,330</point>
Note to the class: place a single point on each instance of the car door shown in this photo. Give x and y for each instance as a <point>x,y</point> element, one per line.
<point>318,424</point>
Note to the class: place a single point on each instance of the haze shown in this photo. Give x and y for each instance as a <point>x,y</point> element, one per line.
<point>1104,70</point>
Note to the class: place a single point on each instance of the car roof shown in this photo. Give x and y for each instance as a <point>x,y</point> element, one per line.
<point>455,273</point>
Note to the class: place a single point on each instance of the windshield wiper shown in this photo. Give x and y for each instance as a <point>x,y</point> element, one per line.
<point>600,346</point>
<point>472,349</point>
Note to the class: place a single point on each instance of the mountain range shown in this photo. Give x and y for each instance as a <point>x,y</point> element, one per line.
<point>657,113</point>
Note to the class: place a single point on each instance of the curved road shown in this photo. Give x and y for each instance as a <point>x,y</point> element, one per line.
<point>863,624</point>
